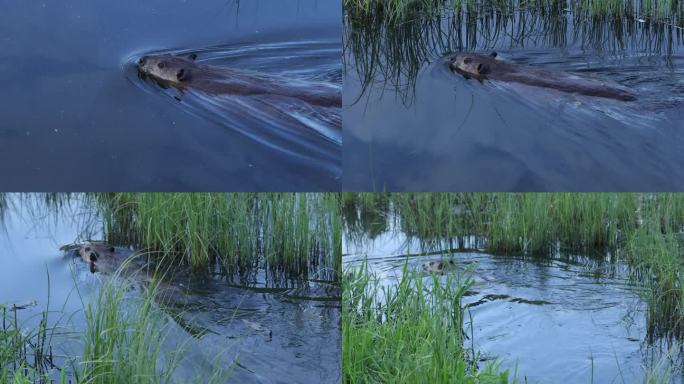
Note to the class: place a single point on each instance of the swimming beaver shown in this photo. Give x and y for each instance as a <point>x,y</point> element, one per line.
<point>96,254</point>
<point>184,72</point>
<point>481,67</point>
<point>437,266</point>
<point>105,258</point>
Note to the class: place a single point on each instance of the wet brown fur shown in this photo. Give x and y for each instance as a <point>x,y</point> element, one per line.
<point>184,72</point>
<point>437,266</point>
<point>95,254</point>
<point>102,257</point>
<point>482,67</point>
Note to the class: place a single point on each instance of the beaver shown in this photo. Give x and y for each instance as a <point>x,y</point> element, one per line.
<point>105,258</point>
<point>482,67</point>
<point>185,73</point>
<point>96,254</point>
<point>437,266</point>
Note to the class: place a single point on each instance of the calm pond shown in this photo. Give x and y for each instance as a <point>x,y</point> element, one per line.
<point>570,319</point>
<point>411,124</point>
<point>75,116</point>
<point>269,330</point>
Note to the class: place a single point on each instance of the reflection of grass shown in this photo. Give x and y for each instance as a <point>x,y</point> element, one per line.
<point>397,11</point>
<point>122,339</point>
<point>644,229</point>
<point>407,333</point>
<point>291,231</point>
<point>388,42</point>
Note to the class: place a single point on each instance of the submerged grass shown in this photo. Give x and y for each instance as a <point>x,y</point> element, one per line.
<point>646,230</point>
<point>411,332</point>
<point>296,232</point>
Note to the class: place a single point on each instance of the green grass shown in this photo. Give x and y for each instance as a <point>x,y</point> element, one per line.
<point>641,229</point>
<point>26,353</point>
<point>295,232</point>
<point>123,338</point>
<point>411,332</point>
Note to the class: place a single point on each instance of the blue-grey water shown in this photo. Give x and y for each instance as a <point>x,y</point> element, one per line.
<point>410,124</point>
<point>72,119</point>
<point>570,319</point>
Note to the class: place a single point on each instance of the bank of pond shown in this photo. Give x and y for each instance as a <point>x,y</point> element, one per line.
<point>146,288</point>
<point>460,287</point>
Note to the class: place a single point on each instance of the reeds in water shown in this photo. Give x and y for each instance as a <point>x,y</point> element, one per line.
<point>290,231</point>
<point>644,230</point>
<point>411,332</point>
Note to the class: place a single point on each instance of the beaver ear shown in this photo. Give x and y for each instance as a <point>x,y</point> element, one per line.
<point>493,54</point>
<point>482,68</point>
<point>192,56</point>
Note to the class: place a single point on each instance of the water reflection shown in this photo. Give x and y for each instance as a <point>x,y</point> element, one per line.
<point>566,318</point>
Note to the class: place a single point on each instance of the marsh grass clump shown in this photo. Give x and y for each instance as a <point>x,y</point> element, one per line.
<point>123,336</point>
<point>531,223</point>
<point>295,232</point>
<point>26,354</point>
<point>411,332</point>
<point>657,260</point>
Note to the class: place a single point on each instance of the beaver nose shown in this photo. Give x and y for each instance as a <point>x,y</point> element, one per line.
<point>142,60</point>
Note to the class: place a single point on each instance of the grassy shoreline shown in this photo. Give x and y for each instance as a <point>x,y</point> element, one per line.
<point>409,332</point>
<point>295,232</point>
<point>645,231</point>
<point>124,332</point>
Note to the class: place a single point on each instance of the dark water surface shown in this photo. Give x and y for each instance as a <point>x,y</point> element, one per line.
<point>73,117</point>
<point>271,331</point>
<point>410,124</point>
<point>565,320</point>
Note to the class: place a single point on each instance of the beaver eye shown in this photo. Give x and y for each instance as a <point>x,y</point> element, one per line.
<point>87,249</point>
<point>467,60</point>
<point>160,65</point>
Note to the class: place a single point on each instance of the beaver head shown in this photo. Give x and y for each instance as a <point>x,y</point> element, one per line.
<point>472,64</point>
<point>90,253</point>
<point>172,70</point>
<point>437,266</point>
